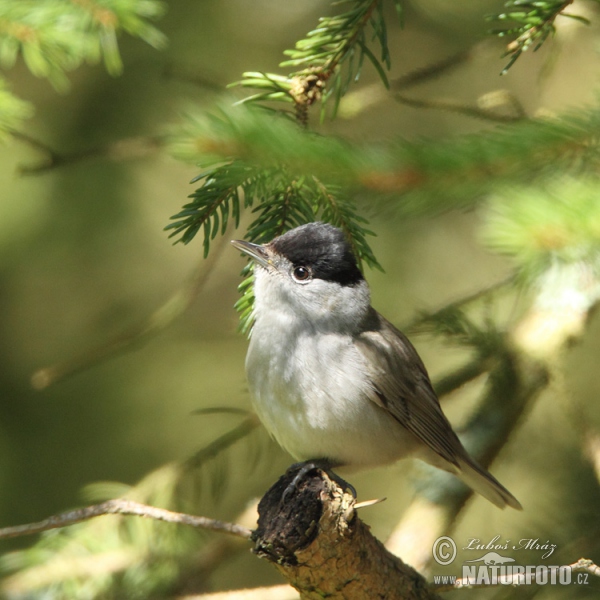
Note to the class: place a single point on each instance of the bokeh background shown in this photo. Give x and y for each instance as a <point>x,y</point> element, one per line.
<point>84,258</point>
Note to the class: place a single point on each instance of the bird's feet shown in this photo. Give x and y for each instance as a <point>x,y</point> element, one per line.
<point>301,469</point>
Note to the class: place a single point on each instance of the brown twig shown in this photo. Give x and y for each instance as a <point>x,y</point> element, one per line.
<point>431,71</point>
<point>584,565</point>
<point>460,108</point>
<point>176,305</point>
<point>125,149</point>
<point>274,592</point>
<point>119,506</point>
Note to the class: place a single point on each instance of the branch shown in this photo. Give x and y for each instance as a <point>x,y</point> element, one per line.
<point>584,565</point>
<point>119,506</point>
<point>316,541</point>
<point>513,386</point>
<point>274,592</point>
<point>460,108</point>
<point>125,149</point>
<point>534,22</point>
<point>530,350</point>
<point>369,95</point>
<point>161,318</point>
<point>338,41</point>
<point>461,376</point>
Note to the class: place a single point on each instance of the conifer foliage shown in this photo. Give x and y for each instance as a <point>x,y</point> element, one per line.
<point>53,37</point>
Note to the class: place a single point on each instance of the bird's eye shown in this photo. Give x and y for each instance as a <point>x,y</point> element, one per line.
<point>301,273</point>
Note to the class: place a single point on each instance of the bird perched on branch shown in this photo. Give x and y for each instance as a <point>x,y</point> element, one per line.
<point>332,380</point>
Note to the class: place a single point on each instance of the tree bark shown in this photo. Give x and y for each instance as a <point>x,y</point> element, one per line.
<point>311,532</point>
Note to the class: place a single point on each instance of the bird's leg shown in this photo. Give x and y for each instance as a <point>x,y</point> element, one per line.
<point>306,467</point>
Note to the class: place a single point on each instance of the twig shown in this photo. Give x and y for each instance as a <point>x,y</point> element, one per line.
<point>175,306</point>
<point>275,592</point>
<point>189,75</point>
<point>357,101</point>
<point>223,442</point>
<point>35,143</point>
<point>459,377</point>
<point>431,71</point>
<point>460,108</point>
<point>119,506</point>
<point>125,149</point>
<point>582,565</point>
<point>425,317</point>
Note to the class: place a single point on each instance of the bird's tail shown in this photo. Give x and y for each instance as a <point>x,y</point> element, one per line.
<point>484,483</point>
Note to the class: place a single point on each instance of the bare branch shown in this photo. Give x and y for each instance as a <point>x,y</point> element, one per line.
<point>586,565</point>
<point>457,378</point>
<point>431,71</point>
<point>119,506</point>
<point>161,318</point>
<point>426,316</point>
<point>582,565</point>
<point>125,149</point>
<point>274,592</point>
<point>515,377</point>
<point>317,542</point>
<point>367,96</point>
<point>460,108</point>
<point>223,442</point>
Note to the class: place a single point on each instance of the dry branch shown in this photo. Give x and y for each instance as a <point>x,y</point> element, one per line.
<point>323,549</point>
<point>119,506</point>
<point>583,565</point>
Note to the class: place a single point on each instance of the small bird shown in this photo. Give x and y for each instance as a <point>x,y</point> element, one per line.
<point>334,382</point>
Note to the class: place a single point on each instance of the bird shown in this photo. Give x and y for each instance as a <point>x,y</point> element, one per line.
<point>332,380</point>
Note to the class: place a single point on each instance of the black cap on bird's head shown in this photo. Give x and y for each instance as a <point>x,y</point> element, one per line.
<point>321,247</point>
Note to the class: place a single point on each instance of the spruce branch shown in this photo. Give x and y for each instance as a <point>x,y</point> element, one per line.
<point>334,208</point>
<point>215,201</point>
<point>532,22</point>
<point>259,157</point>
<point>56,36</point>
<point>549,228</point>
<point>13,111</point>
<point>331,57</point>
<point>424,175</point>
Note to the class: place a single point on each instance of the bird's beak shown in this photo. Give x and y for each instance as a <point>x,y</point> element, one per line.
<point>255,251</point>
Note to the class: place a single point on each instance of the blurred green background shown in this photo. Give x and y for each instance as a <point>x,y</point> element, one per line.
<point>83,257</point>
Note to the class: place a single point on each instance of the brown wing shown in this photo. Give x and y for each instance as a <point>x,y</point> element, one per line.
<point>401,386</point>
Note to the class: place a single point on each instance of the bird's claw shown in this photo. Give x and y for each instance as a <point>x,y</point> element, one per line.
<point>304,468</point>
